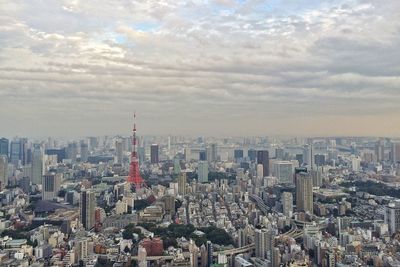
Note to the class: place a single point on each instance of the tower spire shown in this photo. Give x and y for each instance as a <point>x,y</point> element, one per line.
<point>134,171</point>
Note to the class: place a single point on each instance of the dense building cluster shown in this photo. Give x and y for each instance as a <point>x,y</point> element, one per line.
<point>257,201</point>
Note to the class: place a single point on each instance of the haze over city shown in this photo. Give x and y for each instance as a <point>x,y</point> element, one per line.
<point>218,67</point>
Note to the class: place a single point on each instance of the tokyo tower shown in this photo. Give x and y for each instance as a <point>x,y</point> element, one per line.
<point>134,172</point>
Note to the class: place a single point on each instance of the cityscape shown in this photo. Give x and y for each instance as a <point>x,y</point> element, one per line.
<point>200,133</point>
<point>178,201</point>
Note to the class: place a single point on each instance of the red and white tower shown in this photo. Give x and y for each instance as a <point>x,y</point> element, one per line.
<point>134,171</point>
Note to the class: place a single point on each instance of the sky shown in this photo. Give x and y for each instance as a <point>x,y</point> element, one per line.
<point>200,67</point>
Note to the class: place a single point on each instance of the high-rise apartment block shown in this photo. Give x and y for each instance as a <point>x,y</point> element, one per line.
<point>304,192</point>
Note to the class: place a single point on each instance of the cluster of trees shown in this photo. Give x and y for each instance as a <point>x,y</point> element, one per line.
<point>373,188</point>
<point>173,231</point>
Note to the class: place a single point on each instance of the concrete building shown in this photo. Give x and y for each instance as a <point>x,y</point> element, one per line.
<point>37,164</point>
<point>87,207</point>
<point>3,171</point>
<point>263,158</point>
<point>283,170</point>
<point>202,172</point>
<point>304,192</point>
<point>392,216</point>
<point>182,181</point>
<point>263,240</point>
<point>51,185</point>
<point>154,154</point>
<point>287,204</point>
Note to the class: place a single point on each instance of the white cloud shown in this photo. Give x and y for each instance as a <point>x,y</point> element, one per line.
<point>196,62</point>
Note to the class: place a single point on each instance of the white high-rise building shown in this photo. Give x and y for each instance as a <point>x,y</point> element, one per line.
<point>283,170</point>
<point>3,171</point>
<point>356,164</point>
<point>202,172</point>
<point>260,171</point>
<point>263,243</point>
<point>308,156</point>
<point>37,164</point>
<point>287,204</point>
<point>392,216</point>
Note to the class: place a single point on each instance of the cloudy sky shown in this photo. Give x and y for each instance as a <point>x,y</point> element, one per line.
<point>200,67</point>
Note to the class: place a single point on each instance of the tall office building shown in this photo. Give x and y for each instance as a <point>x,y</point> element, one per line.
<point>18,151</point>
<point>4,143</point>
<point>37,164</point>
<point>316,175</point>
<point>72,151</point>
<point>279,153</point>
<point>93,143</point>
<point>119,150</point>
<point>212,153</point>
<point>202,155</point>
<point>287,204</point>
<point>392,216</point>
<point>263,158</point>
<point>263,241</point>
<point>304,192</point>
<point>87,207</point>
<point>202,172</point>
<point>283,170</point>
<point>380,150</point>
<point>50,186</point>
<point>308,156</point>
<point>395,152</point>
<point>182,180</point>
<point>3,171</point>
<point>188,154</point>
<point>84,152</point>
<point>252,154</point>
<point>141,154</point>
<point>154,154</point>
<point>356,164</point>
<point>210,250</point>
<point>238,154</point>
<point>177,166</point>
<point>319,160</point>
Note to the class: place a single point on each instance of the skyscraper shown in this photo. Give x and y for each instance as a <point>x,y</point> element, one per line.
<point>308,156</point>
<point>37,164</point>
<point>119,151</point>
<point>182,180</point>
<point>72,151</point>
<point>18,149</point>
<point>304,192</point>
<point>84,152</point>
<point>263,158</point>
<point>202,171</point>
<point>212,153</point>
<point>51,185</point>
<point>252,154</point>
<point>238,154</point>
<point>263,241</point>
<point>87,207</point>
<point>287,204</point>
<point>154,154</point>
<point>210,250</point>
<point>4,143</point>
<point>283,170</point>
<point>380,150</point>
<point>395,152</point>
<point>3,171</point>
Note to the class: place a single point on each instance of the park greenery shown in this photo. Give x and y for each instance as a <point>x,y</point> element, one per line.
<point>170,234</point>
<point>374,188</point>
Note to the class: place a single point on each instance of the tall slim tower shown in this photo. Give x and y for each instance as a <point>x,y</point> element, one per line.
<point>134,172</point>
